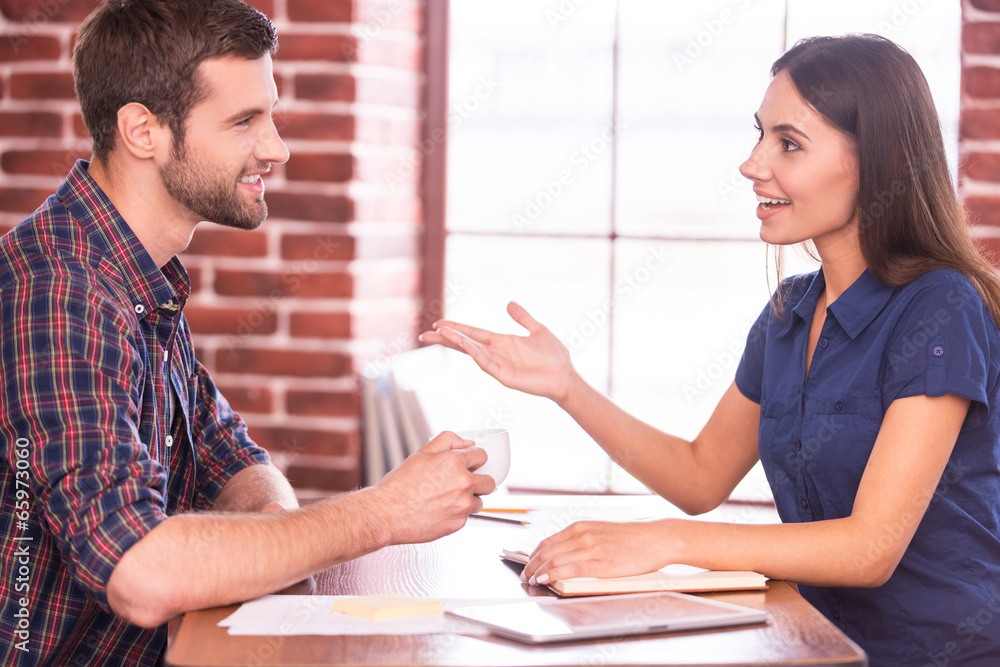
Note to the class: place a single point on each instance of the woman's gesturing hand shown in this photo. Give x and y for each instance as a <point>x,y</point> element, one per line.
<point>536,364</point>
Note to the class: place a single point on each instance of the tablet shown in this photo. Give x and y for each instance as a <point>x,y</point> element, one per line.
<point>544,620</point>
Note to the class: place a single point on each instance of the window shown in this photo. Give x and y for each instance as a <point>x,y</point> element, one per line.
<point>592,177</point>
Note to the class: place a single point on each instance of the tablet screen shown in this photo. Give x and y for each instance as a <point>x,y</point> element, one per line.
<point>548,619</point>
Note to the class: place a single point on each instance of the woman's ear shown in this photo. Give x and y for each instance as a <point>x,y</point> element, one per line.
<point>140,131</point>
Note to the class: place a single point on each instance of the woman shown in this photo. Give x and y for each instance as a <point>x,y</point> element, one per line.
<point>868,389</point>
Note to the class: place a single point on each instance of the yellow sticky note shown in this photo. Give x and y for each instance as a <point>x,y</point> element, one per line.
<point>378,607</point>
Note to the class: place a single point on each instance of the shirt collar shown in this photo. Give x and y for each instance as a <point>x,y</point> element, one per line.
<point>149,287</point>
<point>855,309</point>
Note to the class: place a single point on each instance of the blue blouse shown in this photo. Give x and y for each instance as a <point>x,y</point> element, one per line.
<point>934,336</point>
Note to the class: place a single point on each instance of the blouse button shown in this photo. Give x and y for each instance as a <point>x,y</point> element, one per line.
<point>804,503</point>
<point>836,615</point>
<point>798,445</point>
<point>838,406</point>
<point>822,343</point>
<point>938,351</point>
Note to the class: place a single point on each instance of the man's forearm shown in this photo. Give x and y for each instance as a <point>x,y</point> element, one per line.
<point>191,561</point>
<point>253,488</point>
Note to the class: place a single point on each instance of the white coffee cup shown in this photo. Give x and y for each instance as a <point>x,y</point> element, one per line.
<point>496,443</point>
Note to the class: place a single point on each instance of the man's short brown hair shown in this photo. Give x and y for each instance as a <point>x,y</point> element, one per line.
<point>148,51</point>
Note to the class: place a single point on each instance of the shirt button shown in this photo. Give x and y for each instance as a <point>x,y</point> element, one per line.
<point>798,445</point>
<point>169,440</point>
<point>838,406</point>
<point>140,309</point>
<point>938,351</point>
<point>822,343</point>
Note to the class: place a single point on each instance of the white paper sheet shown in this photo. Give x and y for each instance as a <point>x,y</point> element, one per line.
<point>313,615</point>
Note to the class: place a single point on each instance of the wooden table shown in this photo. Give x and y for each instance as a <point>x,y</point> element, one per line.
<point>466,565</point>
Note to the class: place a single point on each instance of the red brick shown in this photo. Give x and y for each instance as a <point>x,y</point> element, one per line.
<point>387,91</point>
<point>30,124</point>
<point>387,131</point>
<point>320,325</point>
<point>986,5</point>
<point>983,82</point>
<point>320,247</point>
<point>301,441</point>
<point>44,163</point>
<point>316,48</point>
<point>323,403</point>
<point>981,37</point>
<point>983,210</point>
<point>311,11</point>
<point>265,6</point>
<point>42,86</point>
<point>378,209</point>
<point>340,474</point>
<point>320,167</point>
<point>294,282</point>
<point>385,284</point>
<point>248,399</point>
<point>283,362</point>
<point>337,87</point>
<point>390,52</point>
<point>79,128</point>
<point>980,124</point>
<point>228,242</point>
<point>26,46</point>
<point>242,322</point>
<point>22,200</point>
<point>194,274</point>
<point>376,16</point>
<point>981,166</point>
<point>320,208</point>
<point>68,11</point>
<point>336,127</point>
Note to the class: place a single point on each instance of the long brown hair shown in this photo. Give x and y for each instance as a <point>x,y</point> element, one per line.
<point>148,51</point>
<point>909,218</point>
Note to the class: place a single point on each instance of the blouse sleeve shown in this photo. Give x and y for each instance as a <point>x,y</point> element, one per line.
<point>941,344</point>
<point>750,372</point>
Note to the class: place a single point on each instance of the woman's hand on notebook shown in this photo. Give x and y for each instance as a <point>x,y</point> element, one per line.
<point>599,549</point>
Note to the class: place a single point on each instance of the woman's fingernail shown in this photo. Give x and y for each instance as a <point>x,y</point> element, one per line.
<point>542,578</point>
<point>524,577</point>
<point>532,581</point>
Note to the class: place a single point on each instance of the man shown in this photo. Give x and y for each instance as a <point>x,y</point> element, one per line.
<point>111,432</point>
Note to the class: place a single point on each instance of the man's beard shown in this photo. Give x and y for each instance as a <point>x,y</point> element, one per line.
<point>215,197</point>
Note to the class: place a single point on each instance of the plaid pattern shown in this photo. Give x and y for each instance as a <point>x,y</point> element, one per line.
<point>92,340</point>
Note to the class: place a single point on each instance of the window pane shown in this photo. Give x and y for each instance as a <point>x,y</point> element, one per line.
<point>530,101</point>
<point>681,326</point>
<point>692,76</point>
<point>564,284</point>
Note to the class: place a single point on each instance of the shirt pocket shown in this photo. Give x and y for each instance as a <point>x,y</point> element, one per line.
<point>836,446</point>
<point>769,434</point>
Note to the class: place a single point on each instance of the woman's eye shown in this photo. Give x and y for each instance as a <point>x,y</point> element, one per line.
<point>789,145</point>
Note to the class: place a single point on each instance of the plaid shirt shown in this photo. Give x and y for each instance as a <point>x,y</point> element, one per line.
<point>96,358</point>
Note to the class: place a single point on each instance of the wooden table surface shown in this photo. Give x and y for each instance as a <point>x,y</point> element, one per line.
<point>466,565</point>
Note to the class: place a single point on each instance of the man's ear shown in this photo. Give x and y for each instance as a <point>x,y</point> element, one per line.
<point>140,132</point>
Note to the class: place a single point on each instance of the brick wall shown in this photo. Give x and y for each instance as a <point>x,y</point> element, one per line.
<point>979,126</point>
<point>285,317</point>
